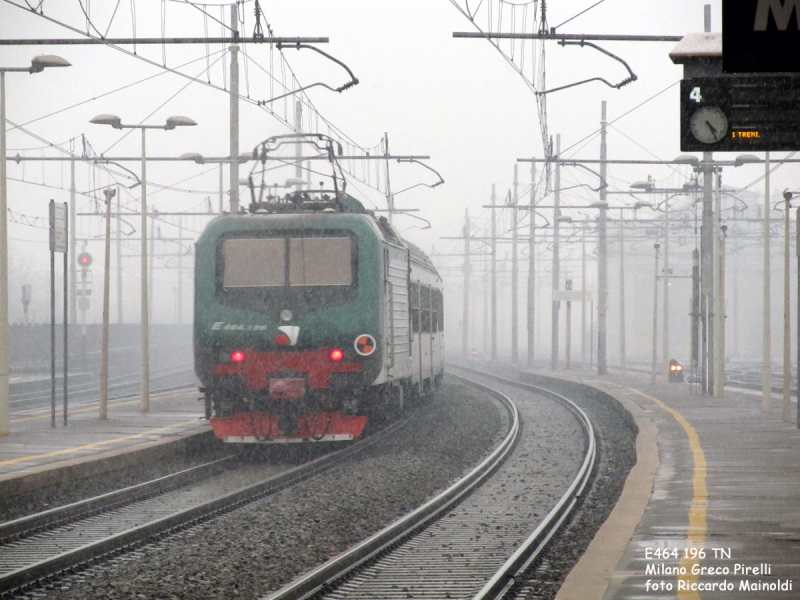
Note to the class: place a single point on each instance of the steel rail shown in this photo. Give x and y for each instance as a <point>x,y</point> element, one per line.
<point>60,515</point>
<point>117,383</point>
<point>505,577</point>
<point>54,564</point>
<point>340,567</point>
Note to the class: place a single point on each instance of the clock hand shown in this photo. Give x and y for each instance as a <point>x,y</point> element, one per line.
<point>711,127</point>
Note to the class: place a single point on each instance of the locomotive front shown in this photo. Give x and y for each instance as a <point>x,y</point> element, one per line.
<point>288,324</point>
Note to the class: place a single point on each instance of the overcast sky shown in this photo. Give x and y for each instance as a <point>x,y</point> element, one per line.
<point>455,100</point>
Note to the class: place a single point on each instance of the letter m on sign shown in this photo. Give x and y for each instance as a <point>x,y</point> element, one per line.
<point>781,11</point>
<point>760,36</point>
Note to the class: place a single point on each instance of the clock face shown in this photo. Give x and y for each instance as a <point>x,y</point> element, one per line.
<point>709,124</point>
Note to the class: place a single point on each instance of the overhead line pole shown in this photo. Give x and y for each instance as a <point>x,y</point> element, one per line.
<point>514,272</point>
<point>555,304</point>
<point>494,276</point>
<point>234,111</point>
<point>766,375</point>
<point>73,272</point>
<point>532,270</point>
<point>465,308</point>
<point>602,262</point>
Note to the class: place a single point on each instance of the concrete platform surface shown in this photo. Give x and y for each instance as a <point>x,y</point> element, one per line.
<point>712,508</point>
<point>35,454</point>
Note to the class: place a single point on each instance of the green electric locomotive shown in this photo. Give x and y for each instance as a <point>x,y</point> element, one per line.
<point>311,315</point>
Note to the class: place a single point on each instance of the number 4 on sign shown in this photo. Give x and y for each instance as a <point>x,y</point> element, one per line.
<point>696,95</point>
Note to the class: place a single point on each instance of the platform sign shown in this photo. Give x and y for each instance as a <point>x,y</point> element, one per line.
<point>740,113</point>
<point>58,227</point>
<point>760,36</point>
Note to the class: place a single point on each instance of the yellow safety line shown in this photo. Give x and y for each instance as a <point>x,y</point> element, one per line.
<point>97,444</point>
<point>697,512</point>
<point>46,415</point>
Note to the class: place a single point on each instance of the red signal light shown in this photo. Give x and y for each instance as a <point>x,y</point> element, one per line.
<point>237,356</point>
<point>84,259</point>
<point>336,354</point>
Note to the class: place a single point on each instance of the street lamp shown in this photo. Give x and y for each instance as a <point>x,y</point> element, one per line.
<point>116,123</point>
<point>38,64</point>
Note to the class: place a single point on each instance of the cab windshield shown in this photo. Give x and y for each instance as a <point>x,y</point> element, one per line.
<point>300,272</point>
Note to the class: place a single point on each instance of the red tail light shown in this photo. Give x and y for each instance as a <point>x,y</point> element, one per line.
<point>336,354</point>
<point>237,356</point>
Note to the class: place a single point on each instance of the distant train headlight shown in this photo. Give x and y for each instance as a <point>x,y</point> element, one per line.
<point>336,354</point>
<point>237,356</point>
<point>286,315</point>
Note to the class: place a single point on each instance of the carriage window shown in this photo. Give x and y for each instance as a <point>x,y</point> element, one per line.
<point>436,311</point>
<point>425,302</point>
<point>320,261</point>
<point>254,262</point>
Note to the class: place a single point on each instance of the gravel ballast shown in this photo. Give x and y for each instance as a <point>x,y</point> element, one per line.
<point>258,548</point>
<point>616,433</point>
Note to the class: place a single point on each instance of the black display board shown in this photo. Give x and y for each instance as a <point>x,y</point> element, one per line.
<point>742,113</point>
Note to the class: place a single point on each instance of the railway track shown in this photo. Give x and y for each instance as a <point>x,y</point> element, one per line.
<point>472,540</point>
<point>41,547</point>
<point>161,380</point>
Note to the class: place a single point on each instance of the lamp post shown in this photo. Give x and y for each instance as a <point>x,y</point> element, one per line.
<point>38,64</point>
<point>116,123</point>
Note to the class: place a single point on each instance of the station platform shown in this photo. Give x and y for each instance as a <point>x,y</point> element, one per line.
<point>711,510</point>
<point>36,455</point>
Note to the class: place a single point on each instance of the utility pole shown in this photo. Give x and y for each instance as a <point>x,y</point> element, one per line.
<point>109,194</point>
<point>766,377</point>
<point>695,310</point>
<point>514,272</point>
<point>465,308</point>
<point>556,304</point>
<point>665,324</point>
<point>234,112</point>
<point>602,254</point>
<point>298,147</point>
<point>119,256</point>
<point>73,315</point>
<point>707,276</point>
<point>494,276</point>
<point>152,260</point>
<point>655,319</point>
<point>180,271</point>
<point>389,195</point>
<point>532,269</point>
<point>719,298</point>
<point>623,358</point>
<point>568,336</point>
<point>583,300</point>
<point>787,360</point>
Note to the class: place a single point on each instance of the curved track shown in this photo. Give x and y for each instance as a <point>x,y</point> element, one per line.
<point>464,538</point>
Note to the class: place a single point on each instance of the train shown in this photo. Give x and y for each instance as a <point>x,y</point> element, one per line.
<point>312,316</point>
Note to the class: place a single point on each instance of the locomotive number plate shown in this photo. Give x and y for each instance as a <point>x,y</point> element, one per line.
<point>289,387</point>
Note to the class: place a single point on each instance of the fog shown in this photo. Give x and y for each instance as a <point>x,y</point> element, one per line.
<point>458,101</point>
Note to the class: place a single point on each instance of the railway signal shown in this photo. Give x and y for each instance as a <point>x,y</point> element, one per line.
<point>84,260</point>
